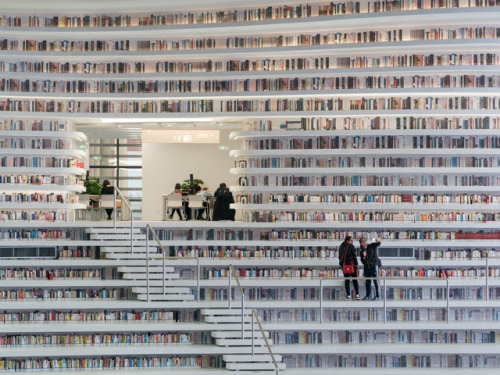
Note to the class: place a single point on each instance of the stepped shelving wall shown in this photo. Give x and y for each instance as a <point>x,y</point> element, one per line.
<point>374,119</point>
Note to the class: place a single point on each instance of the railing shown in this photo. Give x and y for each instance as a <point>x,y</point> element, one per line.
<point>385,282</point>
<point>164,257</point>
<point>124,200</point>
<point>254,317</point>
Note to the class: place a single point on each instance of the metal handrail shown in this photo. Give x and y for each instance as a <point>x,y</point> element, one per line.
<point>124,199</point>
<point>149,229</point>
<point>254,316</point>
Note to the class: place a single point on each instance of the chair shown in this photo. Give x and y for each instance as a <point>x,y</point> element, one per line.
<point>107,201</point>
<point>175,202</point>
<point>197,203</point>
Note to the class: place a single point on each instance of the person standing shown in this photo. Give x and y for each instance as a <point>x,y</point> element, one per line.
<point>222,209</point>
<point>370,261</point>
<point>347,257</point>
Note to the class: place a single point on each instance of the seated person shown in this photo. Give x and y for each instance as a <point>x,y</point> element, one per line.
<point>224,198</point>
<point>205,194</point>
<point>107,189</point>
<point>176,191</point>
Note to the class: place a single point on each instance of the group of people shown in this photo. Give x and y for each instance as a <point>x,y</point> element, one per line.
<point>221,209</point>
<point>370,260</point>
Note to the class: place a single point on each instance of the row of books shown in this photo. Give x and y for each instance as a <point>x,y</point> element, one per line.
<point>106,106</point>
<point>264,216</point>
<point>258,105</point>
<point>36,143</point>
<point>256,253</point>
<point>248,85</point>
<point>35,198</point>
<point>262,64</point>
<point>36,234</point>
<point>384,198</point>
<point>455,254</point>
<point>76,253</point>
<point>375,180</point>
<point>34,179</point>
<point>33,316</point>
<point>413,315</point>
<point>378,123</point>
<point>35,162</point>
<point>391,361</point>
<point>369,162</point>
<point>40,215</point>
<point>372,36</point>
<point>237,15</point>
<point>57,273</point>
<point>35,125</point>
<point>95,339</point>
<point>101,363</point>
<point>449,273</point>
<point>364,104</point>
<point>388,337</point>
<point>373,142</point>
<point>305,234</point>
<point>56,294</point>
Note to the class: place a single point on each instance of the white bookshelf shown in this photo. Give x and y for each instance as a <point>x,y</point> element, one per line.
<point>466,254</point>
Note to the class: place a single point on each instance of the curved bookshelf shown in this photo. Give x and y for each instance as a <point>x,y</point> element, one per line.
<point>398,45</point>
<point>367,170</point>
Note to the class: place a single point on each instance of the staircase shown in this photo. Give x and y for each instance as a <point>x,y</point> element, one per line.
<point>116,245</point>
<point>238,344</point>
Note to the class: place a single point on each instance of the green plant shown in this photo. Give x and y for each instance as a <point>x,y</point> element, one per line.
<point>92,186</point>
<point>189,185</point>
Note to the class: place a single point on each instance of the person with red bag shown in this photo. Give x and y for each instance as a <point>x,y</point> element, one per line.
<point>349,264</point>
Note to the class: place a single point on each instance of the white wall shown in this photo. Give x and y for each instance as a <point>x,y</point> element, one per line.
<point>164,164</point>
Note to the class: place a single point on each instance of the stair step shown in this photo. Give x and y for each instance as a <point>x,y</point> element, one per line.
<point>226,319</point>
<point>166,297</point>
<point>109,237</point>
<point>241,342</point>
<point>154,276</point>
<point>237,334</point>
<point>142,269</point>
<point>225,312</point>
<point>251,358</point>
<point>137,250</point>
<point>159,290</point>
<point>125,256</point>
<point>254,366</point>
<point>111,230</point>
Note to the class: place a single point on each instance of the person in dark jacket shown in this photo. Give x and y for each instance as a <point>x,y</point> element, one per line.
<point>347,255</point>
<point>223,198</point>
<point>107,189</point>
<point>370,261</point>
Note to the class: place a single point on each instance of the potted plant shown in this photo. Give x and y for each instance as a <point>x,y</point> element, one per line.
<point>188,185</point>
<point>92,187</point>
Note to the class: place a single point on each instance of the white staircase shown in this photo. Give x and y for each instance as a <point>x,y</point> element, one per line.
<point>116,245</point>
<point>238,359</point>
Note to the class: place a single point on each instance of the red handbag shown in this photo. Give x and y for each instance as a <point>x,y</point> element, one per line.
<point>347,268</point>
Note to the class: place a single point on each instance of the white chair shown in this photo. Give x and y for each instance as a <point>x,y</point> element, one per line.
<point>196,204</point>
<point>174,201</point>
<point>107,201</point>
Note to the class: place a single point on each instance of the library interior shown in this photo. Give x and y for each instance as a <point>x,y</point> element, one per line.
<point>266,187</point>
